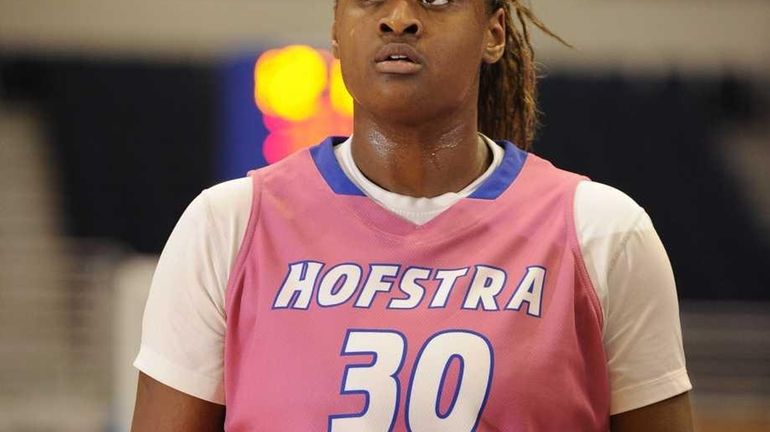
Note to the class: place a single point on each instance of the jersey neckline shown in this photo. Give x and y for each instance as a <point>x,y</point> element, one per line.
<point>459,217</point>
<point>494,186</point>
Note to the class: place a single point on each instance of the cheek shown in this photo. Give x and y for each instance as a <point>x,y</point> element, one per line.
<point>458,61</point>
<point>351,73</point>
<point>352,57</point>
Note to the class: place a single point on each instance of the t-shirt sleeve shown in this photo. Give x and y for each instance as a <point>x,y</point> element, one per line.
<point>183,327</point>
<point>635,284</point>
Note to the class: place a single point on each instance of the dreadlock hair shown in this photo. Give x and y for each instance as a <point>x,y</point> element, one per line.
<point>507,105</point>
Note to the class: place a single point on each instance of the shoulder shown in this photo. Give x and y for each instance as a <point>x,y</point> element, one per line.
<point>295,166</point>
<point>227,200</point>
<point>228,206</point>
<point>544,170</point>
<point>209,233</point>
<point>541,181</point>
<point>605,219</point>
<point>602,210</point>
<point>215,209</point>
<point>230,203</point>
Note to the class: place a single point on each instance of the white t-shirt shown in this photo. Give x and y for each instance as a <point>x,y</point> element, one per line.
<point>184,321</point>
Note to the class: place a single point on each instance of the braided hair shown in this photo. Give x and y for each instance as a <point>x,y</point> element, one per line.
<point>507,103</point>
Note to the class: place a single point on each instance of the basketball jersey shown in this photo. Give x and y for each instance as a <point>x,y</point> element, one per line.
<point>342,316</point>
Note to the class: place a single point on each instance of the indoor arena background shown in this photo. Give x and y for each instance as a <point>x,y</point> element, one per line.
<point>115,114</point>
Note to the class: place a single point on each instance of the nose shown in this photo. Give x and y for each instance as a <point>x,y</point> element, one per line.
<point>401,19</point>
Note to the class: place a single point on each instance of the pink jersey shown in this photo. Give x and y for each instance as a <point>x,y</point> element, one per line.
<point>341,316</point>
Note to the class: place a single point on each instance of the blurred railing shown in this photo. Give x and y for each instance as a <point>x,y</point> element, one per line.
<point>54,293</point>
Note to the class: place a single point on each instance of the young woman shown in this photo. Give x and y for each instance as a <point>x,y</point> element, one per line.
<point>417,276</point>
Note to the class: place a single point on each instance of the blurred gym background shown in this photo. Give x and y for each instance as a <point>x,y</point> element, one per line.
<point>115,114</point>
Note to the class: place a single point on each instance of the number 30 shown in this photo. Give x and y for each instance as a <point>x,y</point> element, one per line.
<point>378,381</point>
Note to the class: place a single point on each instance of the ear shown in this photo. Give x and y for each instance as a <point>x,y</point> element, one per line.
<point>335,43</point>
<point>494,43</point>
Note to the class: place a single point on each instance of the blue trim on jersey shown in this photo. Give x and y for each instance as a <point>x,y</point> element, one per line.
<point>493,187</point>
<point>323,155</point>
<point>504,175</point>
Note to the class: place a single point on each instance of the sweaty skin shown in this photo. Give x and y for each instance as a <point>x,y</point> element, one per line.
<point>416,134</point>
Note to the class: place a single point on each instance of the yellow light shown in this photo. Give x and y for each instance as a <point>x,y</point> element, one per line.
<point>289,82</point>
<point>341,100</point>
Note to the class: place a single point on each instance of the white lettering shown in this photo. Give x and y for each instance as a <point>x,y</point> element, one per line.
<point>487,283</point>
<point>299,282</point>
<point>349,274</point>
<point>411,288</point>
<point>530,290</point>
<point>448,279</point>
<point>375,283</point>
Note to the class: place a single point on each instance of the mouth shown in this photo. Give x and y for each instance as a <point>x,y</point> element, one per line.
<point>399,59</point>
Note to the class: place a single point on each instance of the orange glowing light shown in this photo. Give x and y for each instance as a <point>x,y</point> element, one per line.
<point>302,97</point>
<point>290,82</point>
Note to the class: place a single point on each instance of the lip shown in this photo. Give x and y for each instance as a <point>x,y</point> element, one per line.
<point>412,65</point>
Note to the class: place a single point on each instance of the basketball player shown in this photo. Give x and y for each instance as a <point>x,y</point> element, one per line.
<point>417,276</point>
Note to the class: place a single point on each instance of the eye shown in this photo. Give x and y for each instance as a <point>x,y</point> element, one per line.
<point>436,2</point>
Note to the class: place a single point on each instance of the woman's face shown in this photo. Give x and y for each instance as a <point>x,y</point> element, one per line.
<point>411,60</point>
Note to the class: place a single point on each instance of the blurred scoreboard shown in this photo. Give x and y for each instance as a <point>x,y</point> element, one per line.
<point>278,102</point>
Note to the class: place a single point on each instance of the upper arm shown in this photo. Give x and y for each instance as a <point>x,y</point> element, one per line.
<point>160,408</point>
<point>183,327</point>
<point>670,415</point>
<point>633,279</point>
<point>184,324</point>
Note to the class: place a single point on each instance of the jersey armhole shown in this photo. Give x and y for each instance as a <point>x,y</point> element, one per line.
<point>577,251</point>
<point>247,239</point>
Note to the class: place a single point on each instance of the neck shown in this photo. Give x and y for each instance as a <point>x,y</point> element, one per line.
<point>422,160</point>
